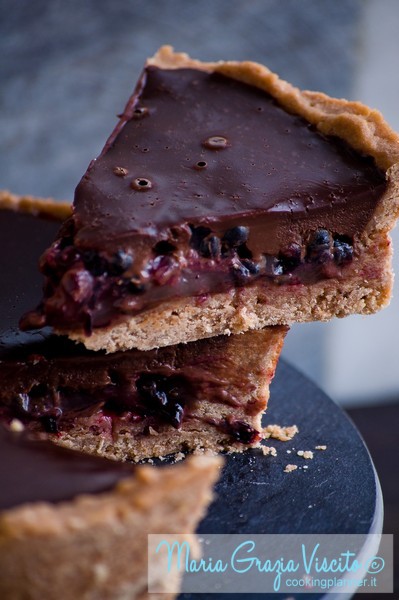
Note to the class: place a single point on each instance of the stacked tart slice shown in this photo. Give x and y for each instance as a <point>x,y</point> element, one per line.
<point>224,200</point>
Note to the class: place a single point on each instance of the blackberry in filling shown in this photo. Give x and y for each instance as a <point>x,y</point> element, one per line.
<point>162,396</point>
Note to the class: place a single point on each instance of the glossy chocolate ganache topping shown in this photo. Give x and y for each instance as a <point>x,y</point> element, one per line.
<point>205,184</point>
<point>47,381</point>
<point>39,471</point>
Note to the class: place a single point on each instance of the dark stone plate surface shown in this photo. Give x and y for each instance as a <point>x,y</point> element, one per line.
<point>339,492</point>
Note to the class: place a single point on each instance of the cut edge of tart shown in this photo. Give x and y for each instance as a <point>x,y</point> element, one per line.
<point>353,272</point>
<point>96,543</point>
<point>221,411</point>
<point>205,395</point>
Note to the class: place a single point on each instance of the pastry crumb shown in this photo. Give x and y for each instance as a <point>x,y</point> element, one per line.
<point>308,454</point>
<point>178,457</point>
<point>290,468</point>
<point>152,431</point>
<point>269,450</point>
<point>283,434</point>
<point>320,447</point>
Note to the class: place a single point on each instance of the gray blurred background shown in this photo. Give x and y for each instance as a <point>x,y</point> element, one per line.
<point>67,68</point>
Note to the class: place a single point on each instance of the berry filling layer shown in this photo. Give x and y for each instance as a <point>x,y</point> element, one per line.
<point>149,399</point>
<point>88,289</point>
<point>51,384</point>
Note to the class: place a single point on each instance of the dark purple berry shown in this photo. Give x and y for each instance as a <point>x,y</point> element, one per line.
<point>162,398</point>
<point>240,273</point>
<point>197,235</point>
<point>210,247</point>
<point>273,266</point>
<point>120,262</point>
<point>251,266</point>
<point>290,258</point>
<point>321,237</point>
<point>94,263</point>
<point>68,257</point>
<point>343,252</point>
<point>177,418</point>
<point>236,236</point>
<point>78,284</point>
<point>242,432</point>
<point>50,424</point>
<point>319,247</point>
<point>163,269</point>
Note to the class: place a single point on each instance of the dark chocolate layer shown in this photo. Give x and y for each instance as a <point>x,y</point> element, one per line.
<point>265,169</point>
<point>48,381</point>
<point>39,471</point>
<point>205,184</point>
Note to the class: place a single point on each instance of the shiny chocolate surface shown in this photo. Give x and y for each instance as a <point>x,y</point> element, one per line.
<point>208,149</point>
<point>39,471</point>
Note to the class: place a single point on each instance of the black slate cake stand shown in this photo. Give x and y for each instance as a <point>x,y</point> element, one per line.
<point>338,492</point>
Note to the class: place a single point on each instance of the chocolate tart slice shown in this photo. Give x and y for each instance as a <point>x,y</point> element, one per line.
<point>208,394</point>
<point>224,200</point>
<point>76,526</point>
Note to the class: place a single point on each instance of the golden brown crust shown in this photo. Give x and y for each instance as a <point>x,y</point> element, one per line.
<point>95,546</point>
<point>35,206</point>
<point>247,366</point>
